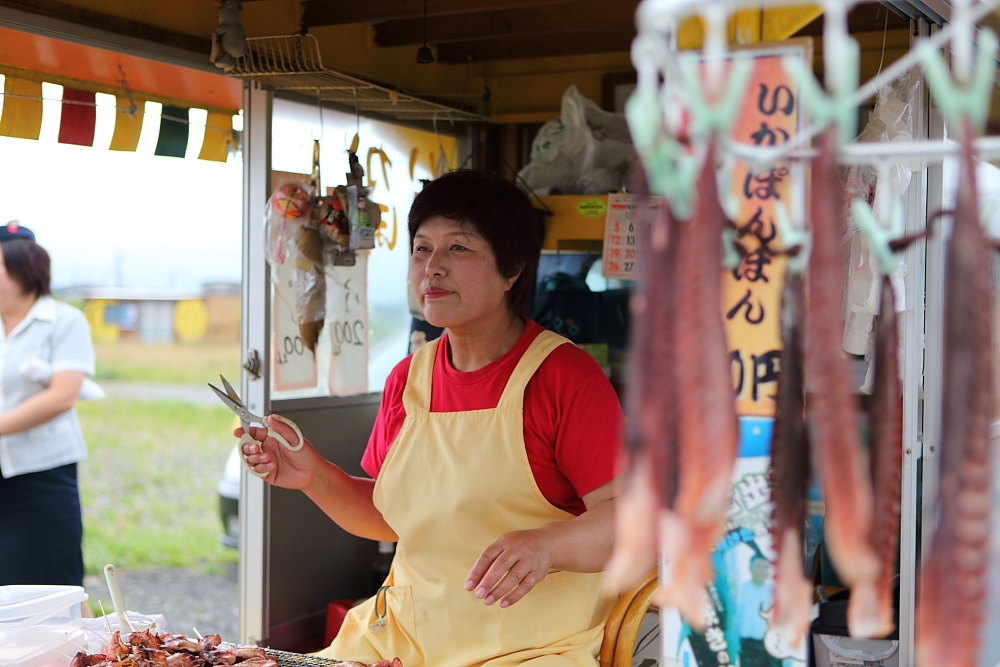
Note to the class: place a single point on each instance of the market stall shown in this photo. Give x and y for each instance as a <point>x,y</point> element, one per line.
<point>325,130</point>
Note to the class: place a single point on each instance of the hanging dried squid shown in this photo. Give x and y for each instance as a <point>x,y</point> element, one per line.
<point>649,459</point>
<point>707,430</point>
<point>954,575</point>
<point>790,474</point>
<point>832,409</point>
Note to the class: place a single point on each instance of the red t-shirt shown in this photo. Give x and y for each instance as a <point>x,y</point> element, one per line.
<point>572,416</point>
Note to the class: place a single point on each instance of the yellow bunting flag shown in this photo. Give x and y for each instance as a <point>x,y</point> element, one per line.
<point>218,136</point>
<point>128,127</point>
<point>22,108</point>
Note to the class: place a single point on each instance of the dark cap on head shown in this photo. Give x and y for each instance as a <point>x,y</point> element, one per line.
<point>14,230</point>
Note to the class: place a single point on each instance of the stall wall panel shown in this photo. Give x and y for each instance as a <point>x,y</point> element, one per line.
<point>313,561</point>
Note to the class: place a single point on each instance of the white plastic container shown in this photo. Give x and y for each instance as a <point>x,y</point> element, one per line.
<point>834,651</point>
<point>40,625</point>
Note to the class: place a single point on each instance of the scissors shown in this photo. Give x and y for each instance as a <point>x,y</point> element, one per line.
<point>235,403</point>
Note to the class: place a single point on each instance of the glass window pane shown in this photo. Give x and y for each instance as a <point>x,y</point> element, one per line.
<point>395,160</point>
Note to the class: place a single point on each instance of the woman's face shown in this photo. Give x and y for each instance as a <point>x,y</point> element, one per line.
<point>454,274</point>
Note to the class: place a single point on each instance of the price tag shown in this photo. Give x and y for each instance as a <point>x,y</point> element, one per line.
<point>294,364</point>
<point>621,242</point>
<point>347,321</point>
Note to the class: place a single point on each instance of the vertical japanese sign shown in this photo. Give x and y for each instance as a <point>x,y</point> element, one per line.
<point>737,632</point>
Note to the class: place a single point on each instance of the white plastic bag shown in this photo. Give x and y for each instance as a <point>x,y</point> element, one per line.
<point>586,150</point>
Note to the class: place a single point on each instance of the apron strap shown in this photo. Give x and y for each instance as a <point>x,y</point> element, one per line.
<point>537,352</point>
<point>417,393</point>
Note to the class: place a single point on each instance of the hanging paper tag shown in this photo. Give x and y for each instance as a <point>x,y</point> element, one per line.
<point>294,363</point>
<point>347,319</point>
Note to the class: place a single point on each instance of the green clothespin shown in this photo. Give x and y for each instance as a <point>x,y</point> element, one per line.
<point>837,106</point>
<point>878,236</point>
<point>670,172</point>
<point>715,117</point>
<point>973,99</point>
<point>792,236</point>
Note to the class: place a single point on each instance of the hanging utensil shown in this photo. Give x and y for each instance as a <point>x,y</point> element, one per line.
<point>116,597</point>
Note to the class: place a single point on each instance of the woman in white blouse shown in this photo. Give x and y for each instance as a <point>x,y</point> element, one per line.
<point>41,523</point>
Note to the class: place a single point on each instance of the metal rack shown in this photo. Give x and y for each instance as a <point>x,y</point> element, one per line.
<point>293,62</point>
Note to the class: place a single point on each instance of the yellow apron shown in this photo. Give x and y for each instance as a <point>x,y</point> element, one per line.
<point>451,484</point>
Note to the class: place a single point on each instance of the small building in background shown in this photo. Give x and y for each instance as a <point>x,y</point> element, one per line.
<point>211,313</point>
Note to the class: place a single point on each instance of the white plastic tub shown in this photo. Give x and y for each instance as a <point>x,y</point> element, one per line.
<point>40,625</point>
<point>835,651</point>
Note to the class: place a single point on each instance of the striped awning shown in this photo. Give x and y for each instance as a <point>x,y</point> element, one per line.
<point>80,75</point>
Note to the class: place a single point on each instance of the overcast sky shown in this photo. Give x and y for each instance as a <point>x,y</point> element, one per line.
<point>119,219</point>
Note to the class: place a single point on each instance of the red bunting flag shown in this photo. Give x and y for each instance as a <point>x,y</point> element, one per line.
<point>79,117</point>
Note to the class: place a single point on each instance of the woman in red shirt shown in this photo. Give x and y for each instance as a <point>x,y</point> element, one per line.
<point>491,459</point>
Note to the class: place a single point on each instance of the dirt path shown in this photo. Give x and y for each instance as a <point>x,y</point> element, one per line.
<point>186,598</point>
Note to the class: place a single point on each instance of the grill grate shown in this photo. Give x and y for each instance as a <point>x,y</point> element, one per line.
<point>286,659</point>
<point>293,62</point>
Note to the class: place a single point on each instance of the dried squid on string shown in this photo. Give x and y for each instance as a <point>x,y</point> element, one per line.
<point>831,408</point>
<point>790,474</point>
<point>886,466</point>
<point>707,429</point>
<point>954,573</point>
<point>649,460</point>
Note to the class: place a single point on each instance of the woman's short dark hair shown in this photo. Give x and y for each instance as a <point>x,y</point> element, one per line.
<point>28,264</point>
<point>500,211</point>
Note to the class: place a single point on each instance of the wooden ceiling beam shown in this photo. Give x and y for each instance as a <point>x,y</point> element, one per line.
<point>90,18</point>
<point>316,13</point>
<point>506,23</point>
<point>581,42</point>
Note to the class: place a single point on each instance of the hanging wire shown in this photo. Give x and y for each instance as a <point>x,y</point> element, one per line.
<point>322,128</point>
<point>357,113</point>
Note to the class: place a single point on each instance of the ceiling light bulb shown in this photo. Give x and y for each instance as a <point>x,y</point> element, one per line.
<point>424,55</point>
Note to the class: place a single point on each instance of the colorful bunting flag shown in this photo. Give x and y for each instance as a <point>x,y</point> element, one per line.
<point>128,127</point>
<point>174,130</point>
<point>22,108</point>
<point>78,118</point>
<point>218,136</point>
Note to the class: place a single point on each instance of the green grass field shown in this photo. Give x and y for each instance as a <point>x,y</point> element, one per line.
<point>148,486</point>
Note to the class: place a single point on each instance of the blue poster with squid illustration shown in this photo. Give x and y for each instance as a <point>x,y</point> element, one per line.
<point>739,599</point>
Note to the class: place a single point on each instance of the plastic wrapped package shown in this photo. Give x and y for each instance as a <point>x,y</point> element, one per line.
<point>294,241</point>
<point>586,150</point>
<point>891,120</point>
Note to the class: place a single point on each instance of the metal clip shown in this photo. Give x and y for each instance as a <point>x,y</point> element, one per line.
<point>378,625</point>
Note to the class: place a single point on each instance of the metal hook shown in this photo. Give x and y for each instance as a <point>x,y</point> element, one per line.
<point>123,82</point>
<point>322,128</point>
<point>357,113</point>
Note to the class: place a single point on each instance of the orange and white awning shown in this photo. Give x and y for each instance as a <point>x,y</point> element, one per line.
<point>81,77</point>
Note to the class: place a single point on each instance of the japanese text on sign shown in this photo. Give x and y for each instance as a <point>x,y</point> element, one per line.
<point>751,291</point>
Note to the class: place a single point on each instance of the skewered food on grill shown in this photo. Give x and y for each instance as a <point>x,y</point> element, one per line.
<point>149,649</point>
